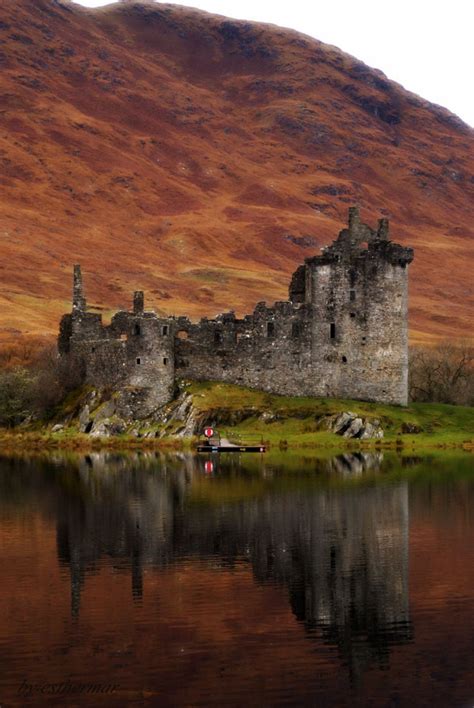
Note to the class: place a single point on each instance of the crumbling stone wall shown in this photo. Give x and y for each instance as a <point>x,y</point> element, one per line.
<point>269,349</point>
<point>342,333</point>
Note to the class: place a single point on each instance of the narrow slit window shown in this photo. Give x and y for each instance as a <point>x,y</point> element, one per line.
<point>137,330</point>
<point>165,361</point>
<point>139,361</point>
<point>344,359</point>
<point>164,331</point>
<point>352,295</point>
<point>333,330</point>
<point>295,330</point>
<point>217,337</point>
<point>270,329</point>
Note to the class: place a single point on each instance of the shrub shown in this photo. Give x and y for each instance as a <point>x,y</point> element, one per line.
<point>442,374</point>
<point>16,396</point>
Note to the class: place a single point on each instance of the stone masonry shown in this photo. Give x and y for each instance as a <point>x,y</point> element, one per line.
<point>342,333</point>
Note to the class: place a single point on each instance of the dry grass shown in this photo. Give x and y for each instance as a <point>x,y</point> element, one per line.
<point>203,161</point>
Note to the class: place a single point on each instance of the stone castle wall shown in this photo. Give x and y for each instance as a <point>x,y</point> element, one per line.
<point>342,333</point>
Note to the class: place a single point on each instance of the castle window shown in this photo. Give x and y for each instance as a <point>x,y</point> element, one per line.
<point>139,361</point>
<point>217,337</point>
<point>93,349</point>
<point>352,295</point>
<point>165,361</point>
<point>270,329</point>
<point>353,314</point>
<point>137,330</point>
<point>333,330</point>
<point>295,330</point>
<point>164,330</point>
<point>344,359</point>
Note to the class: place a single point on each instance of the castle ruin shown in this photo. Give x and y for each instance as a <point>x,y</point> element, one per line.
<point>342,333</point>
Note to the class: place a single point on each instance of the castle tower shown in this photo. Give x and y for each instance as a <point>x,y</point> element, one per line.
<point>358,294</point>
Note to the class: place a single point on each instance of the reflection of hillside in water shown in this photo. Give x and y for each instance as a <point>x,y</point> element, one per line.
<point>342,552</point>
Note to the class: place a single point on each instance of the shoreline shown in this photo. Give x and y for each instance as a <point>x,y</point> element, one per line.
<point>14,441</point>
<point>247,417</point>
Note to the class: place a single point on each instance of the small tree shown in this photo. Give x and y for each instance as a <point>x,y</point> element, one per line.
<point>443,374</point>
<point>16,396</point>
<point>54,377</point>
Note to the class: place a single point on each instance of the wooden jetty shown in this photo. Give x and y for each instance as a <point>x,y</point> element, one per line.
<point>214,443</point>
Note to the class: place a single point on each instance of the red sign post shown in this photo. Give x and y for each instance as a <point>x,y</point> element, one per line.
<point>208,432</point>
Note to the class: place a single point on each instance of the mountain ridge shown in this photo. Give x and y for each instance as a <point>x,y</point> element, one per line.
<point>202,159</point>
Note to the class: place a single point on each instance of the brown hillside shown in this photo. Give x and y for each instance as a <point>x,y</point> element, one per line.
<point>203,159</point>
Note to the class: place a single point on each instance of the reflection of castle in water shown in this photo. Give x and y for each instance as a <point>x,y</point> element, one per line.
<point>342,553</point>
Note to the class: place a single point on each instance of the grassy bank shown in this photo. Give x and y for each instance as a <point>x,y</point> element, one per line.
<point>299,422</point>
<point>253,416</point>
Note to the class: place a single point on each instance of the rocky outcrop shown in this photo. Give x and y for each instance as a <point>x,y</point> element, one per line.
<point>411,428</point>
<point>102,415</point>
<point>350,425</point>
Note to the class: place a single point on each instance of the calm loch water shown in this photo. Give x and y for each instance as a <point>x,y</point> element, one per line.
<point>162,580</point>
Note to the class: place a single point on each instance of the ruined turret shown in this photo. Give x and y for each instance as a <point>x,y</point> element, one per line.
<point>78,298</point>
<point>138,302</point>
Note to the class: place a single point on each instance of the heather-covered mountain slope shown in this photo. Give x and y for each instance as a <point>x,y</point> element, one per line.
<point>202,159</point>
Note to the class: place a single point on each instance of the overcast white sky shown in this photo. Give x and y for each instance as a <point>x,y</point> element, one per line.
<point>425,45</point>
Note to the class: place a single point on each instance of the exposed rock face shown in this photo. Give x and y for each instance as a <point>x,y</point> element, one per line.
<point>107,427</point>
<point>84,419</point>
<point>350,425</point>
<point>100,416</point>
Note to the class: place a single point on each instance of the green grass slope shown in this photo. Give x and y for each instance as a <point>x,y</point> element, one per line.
<point>301,421</point>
